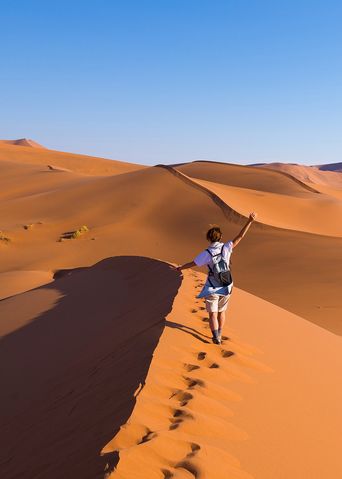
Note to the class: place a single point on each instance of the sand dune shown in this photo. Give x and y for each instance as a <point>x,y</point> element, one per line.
<point>247,177</point>
<point>166,217</point>
<point>318,214</point>
<point>330,167</point>
<point>83,164</point>
<point>22,142</point>
<point>16,282</point>
<point>312,175</point>
<point>157,402</point>
<point>108,366</point>
<point>219,412</point>
<point>75,355</point>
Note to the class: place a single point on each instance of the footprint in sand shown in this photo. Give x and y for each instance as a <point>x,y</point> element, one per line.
<point>185,463</point>
<point>189,467</point>
<point>194,449</point>
<point>201,355</point>
<point>226,354</point>
<point>190,367</point>
<point>183,397</point>
<point>148,436</point>
<point>167,474</point>
<point>178,417</point>
<point>214,366</point>
<point>192,383</point>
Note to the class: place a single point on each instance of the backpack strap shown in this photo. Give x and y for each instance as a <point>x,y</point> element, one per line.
<point>213,255</point>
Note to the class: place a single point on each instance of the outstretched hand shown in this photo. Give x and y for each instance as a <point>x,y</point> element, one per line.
<point>176,268</point>
<point>252,216</point>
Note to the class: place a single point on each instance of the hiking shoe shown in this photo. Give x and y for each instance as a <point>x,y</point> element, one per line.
<point>216,340</point>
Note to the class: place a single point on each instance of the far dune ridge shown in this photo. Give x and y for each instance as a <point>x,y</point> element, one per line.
<point>330,167</point>
<point>329,175</point>
<point>22,142</point>
<point>29,152</point>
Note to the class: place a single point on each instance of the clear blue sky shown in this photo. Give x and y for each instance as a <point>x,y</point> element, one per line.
<point>175,80</point>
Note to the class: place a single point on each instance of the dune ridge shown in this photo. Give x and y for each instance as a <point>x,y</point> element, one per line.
<point>314,176</point>
<point>298,214</point>
<point>166,218</point>
<point>73,364</point>
<point>229,212</point>
<point>22,142</point>
<point>82,164</point>
<point>330,167</point>
<point>206,412</point>
<point>183,421</point>
<point>217,171</point>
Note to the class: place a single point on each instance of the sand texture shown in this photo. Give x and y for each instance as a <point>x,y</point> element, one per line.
<point>107,364</point>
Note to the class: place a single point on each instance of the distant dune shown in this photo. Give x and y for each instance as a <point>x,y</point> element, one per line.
<point>109,370</point>
<point>22,142</point>
<point>33,154</point>
<point>330,167</point>
<point>327,175</point>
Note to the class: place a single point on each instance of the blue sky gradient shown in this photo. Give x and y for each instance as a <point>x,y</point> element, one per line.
<point>175,80</point>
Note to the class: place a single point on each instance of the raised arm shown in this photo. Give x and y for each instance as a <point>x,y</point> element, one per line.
<point>244,230</point>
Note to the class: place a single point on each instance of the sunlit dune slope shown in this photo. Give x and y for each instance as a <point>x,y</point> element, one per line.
<point>73,356</point>
<point>317,214</point>
<point>311,175</point>
<point>84,164</point>
<point>254,408</point>
<point>246,177</point>
<point>155,213</point>
<point>293,417</point>
<point>15,282</point>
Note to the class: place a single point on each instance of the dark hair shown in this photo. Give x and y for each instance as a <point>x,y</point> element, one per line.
<point>214,234</point>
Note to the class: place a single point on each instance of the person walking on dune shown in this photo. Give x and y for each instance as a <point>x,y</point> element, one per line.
<point>219,284</point>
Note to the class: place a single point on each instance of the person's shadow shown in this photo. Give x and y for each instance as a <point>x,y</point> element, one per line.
<point>70,373</point>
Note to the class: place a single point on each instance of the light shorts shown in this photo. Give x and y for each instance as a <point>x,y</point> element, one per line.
<point>216,303</point>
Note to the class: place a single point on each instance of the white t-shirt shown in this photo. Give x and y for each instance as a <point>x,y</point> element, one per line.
<point>215,248</point>
<point>205,258</point>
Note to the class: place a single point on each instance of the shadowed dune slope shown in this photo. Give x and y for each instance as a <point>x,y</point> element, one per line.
<point>73,356</point>
<point>309,174</point>
<point>331,167</point>
<point>154,213</point>
<point>247,177</point>
<point>83,164</point>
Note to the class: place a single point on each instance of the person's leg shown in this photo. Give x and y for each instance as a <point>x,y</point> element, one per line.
<point>221,319</point>
<point>211,303</point>
<point>213,323</point>
<point>221,315</point>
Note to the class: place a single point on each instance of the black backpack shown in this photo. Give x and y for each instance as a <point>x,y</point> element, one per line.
<point>219,272</point>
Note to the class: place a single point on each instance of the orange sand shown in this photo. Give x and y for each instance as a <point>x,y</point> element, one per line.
<point>107,357</point>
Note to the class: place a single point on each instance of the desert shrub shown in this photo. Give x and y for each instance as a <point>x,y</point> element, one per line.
<point>79,232</point>
<point>74,234</point>
<point>4,238</point>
